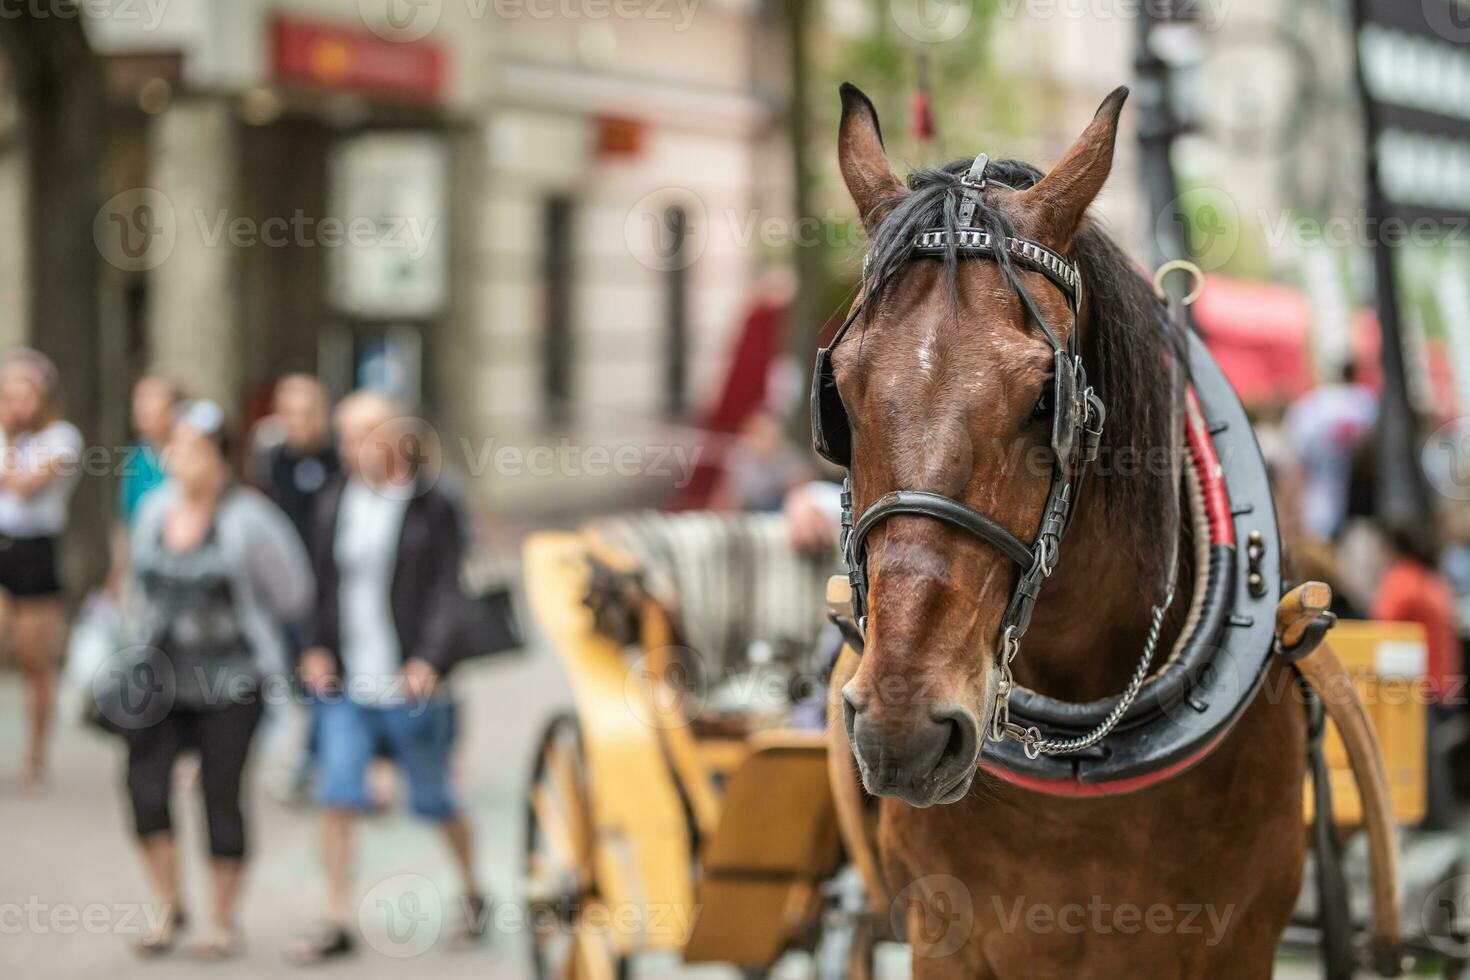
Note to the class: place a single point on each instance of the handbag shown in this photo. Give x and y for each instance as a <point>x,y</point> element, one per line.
<point>489,623</point>
<point>110,683</point>
<point>131,692</point>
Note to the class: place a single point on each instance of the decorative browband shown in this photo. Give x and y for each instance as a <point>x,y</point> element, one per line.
<point>1032,255</point>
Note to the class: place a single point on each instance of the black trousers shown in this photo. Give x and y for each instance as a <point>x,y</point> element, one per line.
<point>1439,795</point>
<point>221,735</point>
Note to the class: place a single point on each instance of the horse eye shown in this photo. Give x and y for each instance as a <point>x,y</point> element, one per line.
<point>1044,404</point>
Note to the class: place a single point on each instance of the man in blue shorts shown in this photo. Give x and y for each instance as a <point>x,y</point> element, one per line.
<point>386,546</point>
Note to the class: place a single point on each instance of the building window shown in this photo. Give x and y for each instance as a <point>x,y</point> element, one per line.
<point>676,312</point>
<point>556,334</point>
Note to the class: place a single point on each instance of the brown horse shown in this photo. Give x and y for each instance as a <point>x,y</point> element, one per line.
<point>1195,876</point>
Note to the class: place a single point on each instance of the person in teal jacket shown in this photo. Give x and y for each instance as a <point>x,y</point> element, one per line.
<point>154,400</point>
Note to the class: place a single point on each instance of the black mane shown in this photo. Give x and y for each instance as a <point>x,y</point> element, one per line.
<point>1125,349</point>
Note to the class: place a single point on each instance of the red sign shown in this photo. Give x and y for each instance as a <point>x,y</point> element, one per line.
<point>618,136</point>
<point>326,55</point>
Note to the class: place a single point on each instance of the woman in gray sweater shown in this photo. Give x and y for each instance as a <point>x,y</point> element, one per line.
<point>217,572</point>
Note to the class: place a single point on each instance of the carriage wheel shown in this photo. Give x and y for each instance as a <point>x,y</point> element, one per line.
<point>559,885</point>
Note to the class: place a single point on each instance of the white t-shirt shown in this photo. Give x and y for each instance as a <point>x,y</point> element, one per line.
<point>365,545</point>
<point>43,514</point>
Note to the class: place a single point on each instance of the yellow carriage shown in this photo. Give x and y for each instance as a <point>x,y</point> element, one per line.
<point>680,809</point>
<point>1386,662</point>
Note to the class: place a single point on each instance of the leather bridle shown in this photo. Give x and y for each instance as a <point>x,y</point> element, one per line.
<point>1166,720</point>
<point>1077,427</point>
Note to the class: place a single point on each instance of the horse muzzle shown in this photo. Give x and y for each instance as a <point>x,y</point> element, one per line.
<point>924,755</point>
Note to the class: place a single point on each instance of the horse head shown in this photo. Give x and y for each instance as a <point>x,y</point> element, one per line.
<point>947,384</point>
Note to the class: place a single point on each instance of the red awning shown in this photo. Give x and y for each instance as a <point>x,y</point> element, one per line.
<point>1260,333</point>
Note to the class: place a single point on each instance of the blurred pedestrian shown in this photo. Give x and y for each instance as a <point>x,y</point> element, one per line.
<point>762,466</point>
<point>216,570</point>
<point>298,462</point>
<point>387,548</point>
<point>304,460</point>
<point>1414,591</point>
<point>813,513</point>
<point>40,460</point>
<point>155,398</point>
<point>1457,564</point>
<point>1324,429</point>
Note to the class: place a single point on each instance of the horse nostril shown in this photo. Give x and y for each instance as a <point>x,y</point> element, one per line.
<point>931,748</point>
<point>963,740</point>
<point>850,709</point>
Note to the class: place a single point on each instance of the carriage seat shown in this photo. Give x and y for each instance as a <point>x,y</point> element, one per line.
<point>748,608</point>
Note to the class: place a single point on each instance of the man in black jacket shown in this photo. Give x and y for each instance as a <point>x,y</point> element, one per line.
<point>386,546</point>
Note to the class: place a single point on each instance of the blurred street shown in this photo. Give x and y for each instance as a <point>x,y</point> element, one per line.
<point>336,337</point>
<point>80,852</point>
<point>81,855</point>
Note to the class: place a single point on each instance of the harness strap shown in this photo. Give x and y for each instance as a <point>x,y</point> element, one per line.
<point>1334,912</point>
<point>972,183</point>
<point>1044,554</point>
<point>1035,313</point>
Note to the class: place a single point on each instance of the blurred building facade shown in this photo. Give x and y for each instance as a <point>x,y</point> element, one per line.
<point>544,220</point>
<point>529,217</point>
<point>12,216</point>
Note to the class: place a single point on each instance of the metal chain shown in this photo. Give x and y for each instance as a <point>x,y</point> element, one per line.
<point>1030,738</point>
<point>1155,629</point>
<point>1001,726</point>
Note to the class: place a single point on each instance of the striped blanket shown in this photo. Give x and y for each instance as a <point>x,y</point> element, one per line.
<point>738,594</point>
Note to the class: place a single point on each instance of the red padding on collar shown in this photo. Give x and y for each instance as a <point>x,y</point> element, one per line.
<point>1115,787</point>
<point>1211,476</point>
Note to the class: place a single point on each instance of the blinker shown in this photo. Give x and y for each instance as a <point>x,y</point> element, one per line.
<point>1065,410</point>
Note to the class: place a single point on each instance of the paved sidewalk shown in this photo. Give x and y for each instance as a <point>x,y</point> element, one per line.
<point>71,883</point>
<point>70,880</point>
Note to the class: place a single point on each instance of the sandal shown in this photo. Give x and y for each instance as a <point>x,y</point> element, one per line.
<point>326,941</point>
<point>474,924</point>
<point>221,944</point>
<point>164,937</point>
<point>33,777</point>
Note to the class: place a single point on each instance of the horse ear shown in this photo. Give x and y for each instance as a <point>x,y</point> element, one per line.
<point>865,168</point>
<point>1063,196</point>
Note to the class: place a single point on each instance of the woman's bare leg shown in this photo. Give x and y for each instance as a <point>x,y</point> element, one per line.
<point>161,860</point>
<point>36,627</point>
<point>225,876</point>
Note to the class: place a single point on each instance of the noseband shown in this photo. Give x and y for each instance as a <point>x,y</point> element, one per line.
<point>1077,426</point>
